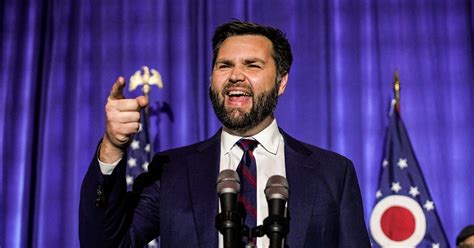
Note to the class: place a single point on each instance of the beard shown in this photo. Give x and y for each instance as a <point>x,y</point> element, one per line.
<point>263,105</point>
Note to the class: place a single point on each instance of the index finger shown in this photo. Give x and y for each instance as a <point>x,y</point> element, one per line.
<point>117,89</point>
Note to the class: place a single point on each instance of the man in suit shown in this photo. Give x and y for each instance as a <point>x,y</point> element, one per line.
<point>177,199</point>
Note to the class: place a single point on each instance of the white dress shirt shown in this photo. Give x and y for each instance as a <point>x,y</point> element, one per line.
<point>270,160</point>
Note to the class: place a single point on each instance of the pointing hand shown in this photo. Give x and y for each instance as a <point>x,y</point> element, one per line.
<point>122,122</point>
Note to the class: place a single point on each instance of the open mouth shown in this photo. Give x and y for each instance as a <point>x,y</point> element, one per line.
<point>238,93</point>
<point>238,97</point>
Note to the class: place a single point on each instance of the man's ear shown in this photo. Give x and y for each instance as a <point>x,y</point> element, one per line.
<point>283,81</point>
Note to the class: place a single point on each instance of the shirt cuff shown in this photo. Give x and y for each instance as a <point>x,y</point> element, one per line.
<point>106,168</point>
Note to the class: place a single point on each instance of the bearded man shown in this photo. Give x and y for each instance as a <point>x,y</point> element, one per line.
<point>177,198</point>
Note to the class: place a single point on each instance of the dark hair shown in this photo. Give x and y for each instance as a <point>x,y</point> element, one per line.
<point>465,233</point>
<point>281,50</point>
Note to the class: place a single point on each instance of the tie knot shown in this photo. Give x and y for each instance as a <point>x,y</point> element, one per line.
<point>247,144</point>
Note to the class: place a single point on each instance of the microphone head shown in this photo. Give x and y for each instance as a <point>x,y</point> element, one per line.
<point>277,188</point>
<point>228,181</point>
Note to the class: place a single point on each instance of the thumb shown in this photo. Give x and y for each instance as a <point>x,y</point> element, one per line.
<point>142,101</point>
<point>117,89</point>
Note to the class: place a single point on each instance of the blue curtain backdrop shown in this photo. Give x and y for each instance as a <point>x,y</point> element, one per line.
<point>60,58</point>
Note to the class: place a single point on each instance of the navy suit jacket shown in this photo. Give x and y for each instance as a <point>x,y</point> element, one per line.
<point>177,200</point>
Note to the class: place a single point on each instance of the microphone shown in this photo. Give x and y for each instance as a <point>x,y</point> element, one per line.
<point>229,221</point>
<point>276,225</point>
<point>228,187</point>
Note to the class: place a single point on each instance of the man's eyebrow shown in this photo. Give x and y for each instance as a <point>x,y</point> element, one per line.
<point>246,61</point>
<point>224,61</point>
<point>254,60</point>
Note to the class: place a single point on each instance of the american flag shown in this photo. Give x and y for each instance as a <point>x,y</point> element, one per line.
<point>139,155</point>
<point>404,214</point>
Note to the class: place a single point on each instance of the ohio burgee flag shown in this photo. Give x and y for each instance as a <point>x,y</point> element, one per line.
<point>404,214</point>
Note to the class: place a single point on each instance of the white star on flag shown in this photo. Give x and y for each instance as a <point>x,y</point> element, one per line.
<point>435,245</point>
<point>396,187</point>
<point>135,144</point>
<point>402,163</point>
<point>132,162</point>
<point>147,148</point>
<point>385,163</point>
<point>152,244</point>
<point>129,180</point>
<point>414,191</point>
<point>145,166</point>
<point>429,205</point>
<point>140,128</point>
<point>378,194</point>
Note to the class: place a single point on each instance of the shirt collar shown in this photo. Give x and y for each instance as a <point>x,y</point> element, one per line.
<point>269,138</point>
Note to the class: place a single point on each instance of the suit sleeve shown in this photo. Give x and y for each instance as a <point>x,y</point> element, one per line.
<point>353,232</point>
<point>109,216</point>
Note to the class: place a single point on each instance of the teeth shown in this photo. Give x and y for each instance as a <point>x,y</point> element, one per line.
<point>237,93</point>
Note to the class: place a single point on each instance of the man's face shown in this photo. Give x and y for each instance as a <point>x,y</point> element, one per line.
<point>244,89</point>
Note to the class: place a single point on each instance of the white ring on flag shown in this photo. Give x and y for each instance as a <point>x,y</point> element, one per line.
<point>398,201</point>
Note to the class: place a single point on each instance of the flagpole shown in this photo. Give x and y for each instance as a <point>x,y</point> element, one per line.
<point>146,79</point>
<point>146,90</point>
<point>396,90</point>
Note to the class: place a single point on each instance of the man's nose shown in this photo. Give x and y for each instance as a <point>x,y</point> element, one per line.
<point>237,75</point>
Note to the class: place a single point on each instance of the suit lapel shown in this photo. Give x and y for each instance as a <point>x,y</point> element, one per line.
<point>202,174</point>
<point>301,179</point>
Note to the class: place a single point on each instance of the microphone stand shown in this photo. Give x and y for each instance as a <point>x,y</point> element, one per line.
<point>276,228</point>
<point>229,224</point>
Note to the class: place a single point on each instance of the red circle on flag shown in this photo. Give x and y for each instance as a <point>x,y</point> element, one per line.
<point>398,223</point>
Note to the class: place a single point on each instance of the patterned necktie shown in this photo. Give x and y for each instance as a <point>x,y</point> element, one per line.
<point>247,171</point>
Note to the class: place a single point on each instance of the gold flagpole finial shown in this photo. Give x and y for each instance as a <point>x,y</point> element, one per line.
<point>146,79</point>
<point>396,90</point>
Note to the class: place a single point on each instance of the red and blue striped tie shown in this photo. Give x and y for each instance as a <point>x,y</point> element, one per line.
<point>247,171</point>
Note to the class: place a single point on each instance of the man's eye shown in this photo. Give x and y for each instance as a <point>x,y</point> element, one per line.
<point>223,66</point>
<point>254,66</point>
